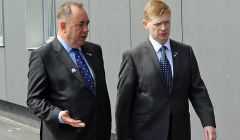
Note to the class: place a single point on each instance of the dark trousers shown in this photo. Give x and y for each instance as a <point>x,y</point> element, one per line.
<point>170,126</point>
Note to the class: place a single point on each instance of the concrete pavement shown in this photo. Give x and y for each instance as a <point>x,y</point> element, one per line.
<point>11,130</point>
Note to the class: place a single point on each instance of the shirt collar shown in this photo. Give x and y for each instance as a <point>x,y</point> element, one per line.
<point>65,45</point>
<point>157,45</point>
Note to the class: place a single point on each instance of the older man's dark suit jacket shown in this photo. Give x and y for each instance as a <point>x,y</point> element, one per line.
<point>144,107</point>
<point>54,85</point>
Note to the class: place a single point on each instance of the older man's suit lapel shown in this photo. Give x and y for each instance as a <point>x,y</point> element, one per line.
<point>152,54</point>
<point>89,55</point>
<point>62,54</point>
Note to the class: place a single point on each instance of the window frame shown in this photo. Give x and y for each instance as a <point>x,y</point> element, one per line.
<point>1,24</point>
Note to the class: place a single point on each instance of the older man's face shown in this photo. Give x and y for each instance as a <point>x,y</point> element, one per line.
<point>77,28</point>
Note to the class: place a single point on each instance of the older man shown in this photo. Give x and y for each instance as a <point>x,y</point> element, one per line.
<point>67,88</point>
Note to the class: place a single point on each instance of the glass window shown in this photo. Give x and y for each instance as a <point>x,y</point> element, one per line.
<point>1,24</point>
<point>49,15</point>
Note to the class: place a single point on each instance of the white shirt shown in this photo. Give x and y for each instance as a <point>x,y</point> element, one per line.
<point>157,47</point>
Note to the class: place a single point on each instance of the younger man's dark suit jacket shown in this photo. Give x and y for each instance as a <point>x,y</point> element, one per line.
<point>145,110</point>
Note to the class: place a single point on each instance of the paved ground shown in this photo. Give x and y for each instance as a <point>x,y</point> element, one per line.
<point>11,130</point>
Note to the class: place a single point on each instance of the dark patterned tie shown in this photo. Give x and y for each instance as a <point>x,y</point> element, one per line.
<point>166,68</point>
<point>84,70</point>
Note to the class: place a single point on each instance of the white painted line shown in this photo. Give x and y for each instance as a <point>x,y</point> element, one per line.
<point>17,123</point>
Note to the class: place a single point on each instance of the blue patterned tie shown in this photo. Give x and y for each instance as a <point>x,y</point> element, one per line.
<point>84,70</point>
<point>166,68</point>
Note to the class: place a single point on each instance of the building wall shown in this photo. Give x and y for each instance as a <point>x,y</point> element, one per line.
<point>210,27</point>
<point>14,55</point>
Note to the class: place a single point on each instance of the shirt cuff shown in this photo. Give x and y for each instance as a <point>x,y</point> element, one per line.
<point>60,117</point>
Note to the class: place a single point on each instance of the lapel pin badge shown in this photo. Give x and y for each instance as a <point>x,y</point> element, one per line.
<point>73,70</point>
<point>175,54</point>
<point>89,54</point>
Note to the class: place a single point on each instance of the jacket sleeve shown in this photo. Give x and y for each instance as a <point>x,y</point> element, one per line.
<point>100,56</point>
<point>37,99</point>
<point>126,89</point>
<point>199,95</point>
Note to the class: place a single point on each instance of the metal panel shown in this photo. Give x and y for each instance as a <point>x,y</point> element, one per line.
<point>15,51</point>
<point>212,28</point>
<point>110,27</point>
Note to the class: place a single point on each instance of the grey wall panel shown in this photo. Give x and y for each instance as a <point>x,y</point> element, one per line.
<point>212,29</point>
<point>176,20</point>
<point>15,51</point>
<point>138,32</point>
<point>2,75</point>
<point>110,27</point>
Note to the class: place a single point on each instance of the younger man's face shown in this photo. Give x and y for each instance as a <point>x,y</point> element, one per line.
<point>159,27</point>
